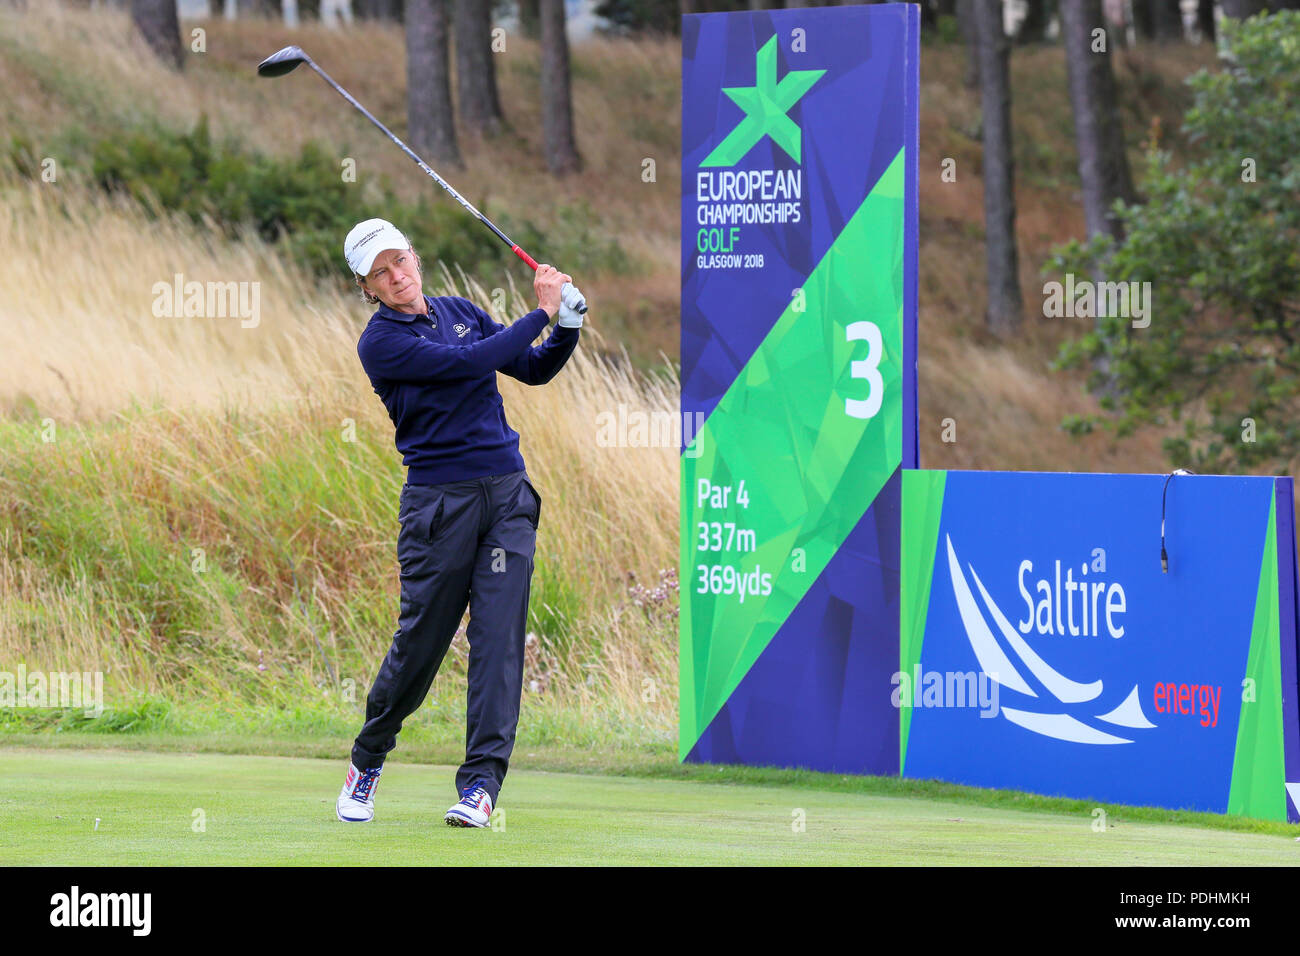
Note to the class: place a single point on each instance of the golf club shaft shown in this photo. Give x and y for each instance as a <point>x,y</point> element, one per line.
<point>514,247</point>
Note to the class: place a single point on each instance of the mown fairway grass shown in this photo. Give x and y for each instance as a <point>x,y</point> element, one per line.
<point>279,810</point>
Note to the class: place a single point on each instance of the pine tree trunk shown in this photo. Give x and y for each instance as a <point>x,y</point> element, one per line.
<point>158,24</point>
<point>1168,21</point>
<point>476,80</point>
<point>1099,132</point>
<point>429,118</point>
<point>388,11</point>
<point>966,27</point>
<point>1205,20</point>
<point>1033,28</point>
<point>1144,19</point>
<point>1240,9</point>
<point>528,18</point>
<point>270,9</point>
<point>557,105</point>
<point>1005,307</point>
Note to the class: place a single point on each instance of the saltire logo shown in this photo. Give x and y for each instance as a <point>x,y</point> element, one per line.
<point>1061,690</point>
<point>766,104</point>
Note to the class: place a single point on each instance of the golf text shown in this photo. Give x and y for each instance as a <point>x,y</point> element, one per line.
<point>946,689</point>
<point>730,198</point>
<point>208,300</point>
<point>748,196</point>
<point>53,689</point>
<point>1189,699</point>
<point>728,537</point>
<point>638,429</point>
<point>1046,615</point>
<point>102,909</point>
<point>1090,300</point>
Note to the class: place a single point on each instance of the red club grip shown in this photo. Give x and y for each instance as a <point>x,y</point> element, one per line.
<point>532,263</point>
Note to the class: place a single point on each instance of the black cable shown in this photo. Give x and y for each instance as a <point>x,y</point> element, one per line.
<point>1164,555</point>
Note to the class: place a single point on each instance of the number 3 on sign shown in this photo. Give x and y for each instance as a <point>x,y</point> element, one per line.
<point>868,368</point>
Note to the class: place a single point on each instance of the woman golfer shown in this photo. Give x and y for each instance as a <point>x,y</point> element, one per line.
<point>468,512</point>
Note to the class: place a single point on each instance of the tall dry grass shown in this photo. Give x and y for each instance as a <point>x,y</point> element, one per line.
<point>170,434</point>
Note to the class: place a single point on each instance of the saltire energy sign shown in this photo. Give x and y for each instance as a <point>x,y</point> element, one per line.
<point>799,154</point>
<point>1044,647</point>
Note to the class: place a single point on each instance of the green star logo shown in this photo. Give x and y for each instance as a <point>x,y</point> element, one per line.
<point>765,105</point>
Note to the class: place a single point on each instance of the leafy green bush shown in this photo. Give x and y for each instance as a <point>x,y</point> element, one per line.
<point>302,202</point>
<point>1219,241</point>
<point>571,242</point>
<point>22,156</point>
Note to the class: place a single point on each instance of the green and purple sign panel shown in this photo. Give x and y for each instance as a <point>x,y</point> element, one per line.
<point>799,132</point>
<point>1044,647</point>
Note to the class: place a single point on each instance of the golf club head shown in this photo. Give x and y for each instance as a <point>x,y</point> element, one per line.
<point>282,62</point>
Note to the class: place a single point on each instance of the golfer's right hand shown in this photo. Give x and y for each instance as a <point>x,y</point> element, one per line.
<point>547,283</point>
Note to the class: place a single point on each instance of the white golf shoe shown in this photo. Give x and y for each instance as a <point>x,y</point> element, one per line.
<point>356,804</point>
<point>473,810</point>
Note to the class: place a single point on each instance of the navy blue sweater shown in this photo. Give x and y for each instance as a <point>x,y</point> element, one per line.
<point>436,375</point>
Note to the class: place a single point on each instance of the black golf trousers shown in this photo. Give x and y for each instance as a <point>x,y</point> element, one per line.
<point>463,543</point>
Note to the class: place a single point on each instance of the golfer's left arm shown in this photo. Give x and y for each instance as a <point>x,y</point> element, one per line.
<point>537,365</point>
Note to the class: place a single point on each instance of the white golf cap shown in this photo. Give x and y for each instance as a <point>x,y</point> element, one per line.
<point>367,240</point>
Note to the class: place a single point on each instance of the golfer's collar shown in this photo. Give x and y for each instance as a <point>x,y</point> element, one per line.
<point>388,313</point>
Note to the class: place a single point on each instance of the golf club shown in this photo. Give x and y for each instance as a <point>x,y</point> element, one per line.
<point>286,60</point>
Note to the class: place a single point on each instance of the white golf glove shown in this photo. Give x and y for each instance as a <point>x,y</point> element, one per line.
<point>570,299</point>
